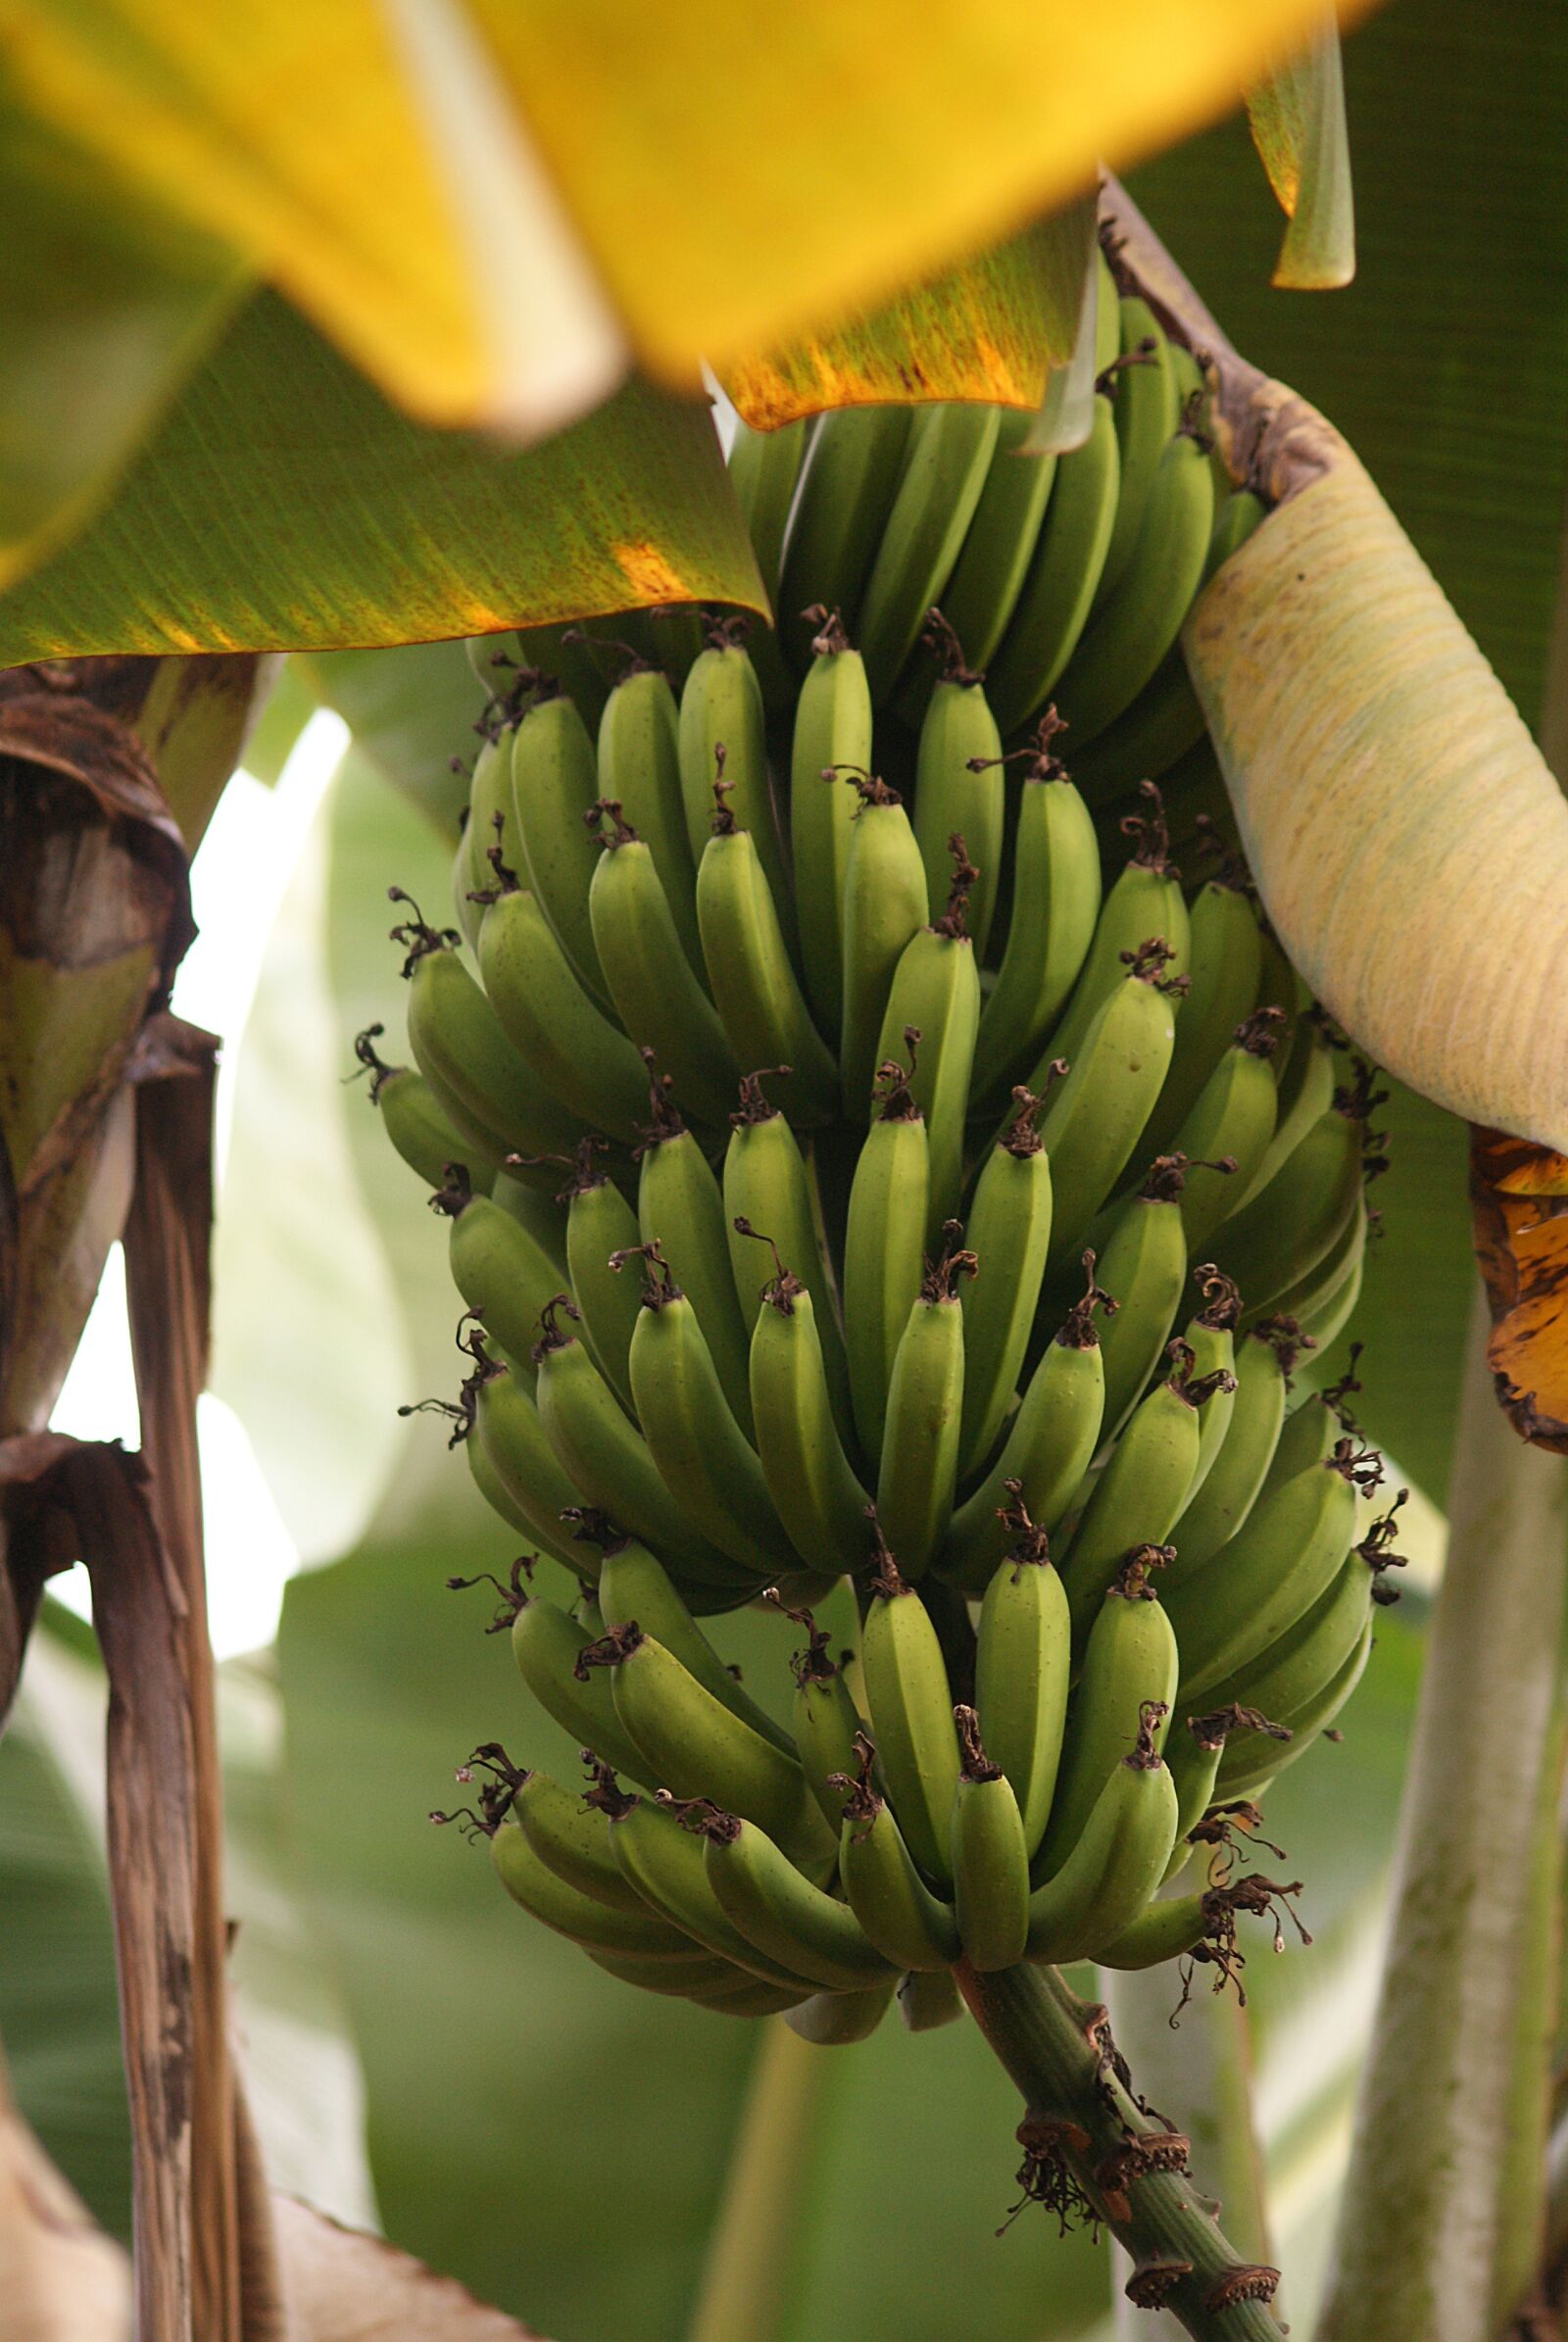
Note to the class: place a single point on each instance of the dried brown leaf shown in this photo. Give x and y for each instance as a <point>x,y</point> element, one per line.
<point>344,2286</point>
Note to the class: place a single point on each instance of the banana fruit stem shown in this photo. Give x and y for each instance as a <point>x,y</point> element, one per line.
<point>1089,2142</point>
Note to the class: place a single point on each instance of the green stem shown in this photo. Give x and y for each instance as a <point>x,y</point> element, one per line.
<point>753,2253</point>
<point>1058,2051</point>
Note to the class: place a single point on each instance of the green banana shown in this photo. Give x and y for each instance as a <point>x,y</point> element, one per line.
<point>759,1001</point>
<point>988,577</point>
<point>609,1463</point>
<point>935,994</point>
<point>782,1914</point>
<point>721,708</point>
<point>767,1185</point>
<point>702,1453</point>
<point>507,1433</point>
<point>681,1206</point>
<point>639,766</point>
<point>1304,1090</point>
<point>459,1047</point>
<point>1224,971</point>
<point>664,1863</point>
<point>827,1722</point>
<point>706,1981</point>
<point>1023,1662</point>
<point>918,1465</point>
<point>548,1647</point>
<point>1139,1494</point>
<point>1140,617</point>
<point>911,1707</point>
<point>573,1051</point>
<point>1144,393</point>
<point>542,1215</point>
<point>572,1838</point>
<point>926,2002</point>
<point>764,468</point>
<point>1322,1300</point>
<point>1115,1864</point>
<point>657,994</point>
<point>856,457</point>
<point>1010,1235</point>
<point>1143,1267</point>
<point>838,2019</point>
<point>1210,1336</point>
<point>1288,1227</point>
<point>906,1922</point>
<point>1231,1121</point>
<point>561,655</point>
<point>947,454</point>
<point>1313,1428</point>
<point>1215,1507</point>
<point>1047,1450</point>
<point>696,1744</point>
<point>812,1481</point>
<point>1130,1669</point>
<point>504,1277</point>
<point>1093,1121</point>
<point>832,734</point>
<point>989,1858</point>
<point>554,785</point>
<point>1145,903</point>
<point>1290,1550</point>
<point>532,1883</point>
<point>490,814</point>
<point>1164,1932</point>
<point>600,1222</point>
<point>884,1247</point>
<point>424,1134</point>
<point>885,903</point>
<point>1307,1723</point>
<point>958,791</point>
<point>1057,876</point>
<point>493,1490</point>
<point>635,1588</point>
<point>1064,575</point>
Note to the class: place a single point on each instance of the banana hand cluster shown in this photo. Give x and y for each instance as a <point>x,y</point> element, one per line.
<point>848,1179</point>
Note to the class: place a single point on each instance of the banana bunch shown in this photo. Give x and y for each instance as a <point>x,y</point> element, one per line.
<point>852,1182</point>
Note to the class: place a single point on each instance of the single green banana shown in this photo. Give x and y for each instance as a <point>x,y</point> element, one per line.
<point>982,593</point>
<point>504,1277</point>
<point>579,1058</point>
<point>765,469</point>
<point>767,1185</point>
<point>696,1745</point>
<point>1144,388</point>
<point>489,803</point>
<point>609,1463</point>
<point>1057,876</point>
<point>1139,1494</point>
<point>680,1207</point>
<point>906,1922</point>
<point>639,768</point>
<point>1138,621</point>
<point>959,791</point>
<point>832,734</point>
<point>1231,1121</point>
<point>1215,1508</point>
<point>885,903</point>
<point>507,1433</point>
<point>555,782</point>
<point>1313,1428</point>
<point>459,1047</point>
<point>706,1982</point>
<point>989,1859</point>
<point>918,1466</point>
<point>635,1588</point>
<point>1130,1669</point>
<point>543,1216</point>
<point>935,994</point>
<point>856,457</point>
<point>664,1863</point>
<point>947,454</point>
<point>838,2019</point>
<point>1114,1867</point>
<point>884,1247</point>
<point>1145,903</point>
<point>1304,1085</point>
<point>781,1913</point>
<point>810,1480</point>
<point>1308,1722</point>
<point>827,1722</point>
<point>424,1134</point>
<point>1211,1334</point>
<point>911,1706</point>
<point>1023,1663</point>
<point>572,1838</point>
<point>721,708</point>
<point>1091,1123</point>
<point>1162,1931</point>
<point>1224,971</point>
<point>703,1456</point>
<point>600,1222</point>
<point>1010,1235</point>
<point>926,2002</point>
<point>532,1883</point>
<point>753,985</point>
<point>1143,1267</point>
<point>1289,1226</point>
<point>1047,1450</point>
<point>657,994</point>
<point>546,1646</point>
<point>1063,574</point>
<point>1290,1550</point>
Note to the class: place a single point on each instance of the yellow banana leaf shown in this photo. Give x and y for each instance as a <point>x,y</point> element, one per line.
<point>283,502</point>
<point>483,204</point>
